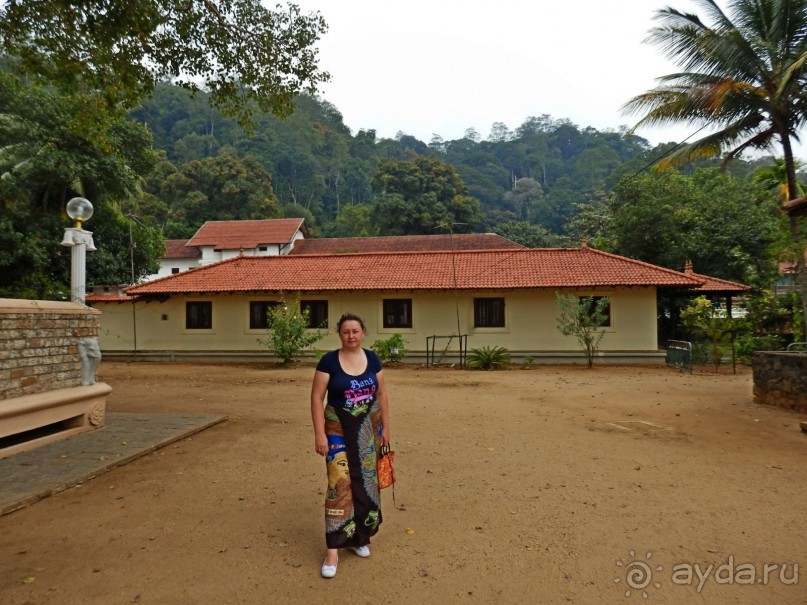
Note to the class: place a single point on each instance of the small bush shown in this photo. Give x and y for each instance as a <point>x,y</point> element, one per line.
<point>391,349</point>
<point>288,330</point>
<point>713,332</point>
<point>747,344</point>
<point>488,358</point>
<point>584,318</point>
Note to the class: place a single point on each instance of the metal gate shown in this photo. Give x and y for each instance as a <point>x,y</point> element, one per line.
<point>435,357</point>
<point>679,355</point>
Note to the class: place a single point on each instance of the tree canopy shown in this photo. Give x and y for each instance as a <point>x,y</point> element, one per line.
<point>55,146</point>
<point>223,188</point>
<point>242,53</point>
<point>422,196</point>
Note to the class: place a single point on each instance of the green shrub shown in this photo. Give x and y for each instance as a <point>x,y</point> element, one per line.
<point>288,330</point>
<point>391,349</point>
<point>583,318</point>
<point>529,360</point>
<point>488,358</point>
<point>714,333</point>
<point>747,344</point>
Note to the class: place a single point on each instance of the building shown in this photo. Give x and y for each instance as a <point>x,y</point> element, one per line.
<point>219,240</point>
<point>503,297</point>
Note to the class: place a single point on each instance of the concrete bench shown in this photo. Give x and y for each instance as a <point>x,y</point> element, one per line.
<point>32,420</point>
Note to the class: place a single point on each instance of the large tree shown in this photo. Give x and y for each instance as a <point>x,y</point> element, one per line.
<point>223,188</point>
<point>243,53</point>
<point>56,146</point>
<point>423,196</point>
<point>744,76</point>
<point>720,223</point>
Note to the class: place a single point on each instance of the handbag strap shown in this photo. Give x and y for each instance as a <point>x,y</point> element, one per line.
<point>385,449</point>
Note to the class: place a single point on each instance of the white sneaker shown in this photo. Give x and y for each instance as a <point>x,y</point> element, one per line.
<point>362,551</point>
<point>329,571</point>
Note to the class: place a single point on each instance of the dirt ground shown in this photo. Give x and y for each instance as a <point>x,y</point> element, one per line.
<point>549,484</point>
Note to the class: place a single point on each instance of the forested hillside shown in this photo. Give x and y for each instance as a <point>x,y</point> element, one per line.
<point>540,172</point>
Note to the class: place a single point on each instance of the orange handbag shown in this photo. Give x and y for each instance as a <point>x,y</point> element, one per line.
<point>386,470</point>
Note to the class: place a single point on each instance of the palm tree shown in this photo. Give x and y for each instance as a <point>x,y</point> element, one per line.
<point>745,76</point>
<point>774,178</point>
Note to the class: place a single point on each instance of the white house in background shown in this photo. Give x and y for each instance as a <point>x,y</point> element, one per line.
<point>220,240</point>
<point>179,256</point>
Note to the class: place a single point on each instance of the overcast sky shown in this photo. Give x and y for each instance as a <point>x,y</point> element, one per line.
<point>429,67</point>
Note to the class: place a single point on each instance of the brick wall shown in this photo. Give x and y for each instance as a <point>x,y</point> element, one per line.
<point>781,379</point>
<point>39,345</point>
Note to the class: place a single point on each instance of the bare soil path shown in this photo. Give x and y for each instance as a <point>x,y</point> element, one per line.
<point>553,484</point>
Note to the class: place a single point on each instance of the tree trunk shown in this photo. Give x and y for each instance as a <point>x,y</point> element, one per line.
<point>801,270</point>
<point>795,231</point>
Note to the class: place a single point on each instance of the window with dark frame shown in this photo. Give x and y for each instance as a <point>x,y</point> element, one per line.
<point>198,315</point>
<point>317,313</point>
<point>606,311</point>
<point>174,270</point>
<point>397,313</point>
<point>489,312</point>
<point>259,313</point>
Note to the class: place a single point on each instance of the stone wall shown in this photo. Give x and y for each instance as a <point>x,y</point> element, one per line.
<point>39,345</point>
<point>781,379</point>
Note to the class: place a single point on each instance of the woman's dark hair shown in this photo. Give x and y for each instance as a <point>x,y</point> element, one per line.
<point>350,317</point>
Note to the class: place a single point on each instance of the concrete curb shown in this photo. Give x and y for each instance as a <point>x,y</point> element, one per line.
<point>30,476</point>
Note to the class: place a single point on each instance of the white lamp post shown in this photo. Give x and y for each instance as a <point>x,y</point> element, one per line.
<point>80,241</point>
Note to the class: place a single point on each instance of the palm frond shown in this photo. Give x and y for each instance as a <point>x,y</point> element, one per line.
<point>793,76</point>
<point>735,136</point>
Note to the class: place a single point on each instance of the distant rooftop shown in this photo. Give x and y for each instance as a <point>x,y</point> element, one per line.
<point>235,235</point>
<point>178,248</point>
<point>405,243</point>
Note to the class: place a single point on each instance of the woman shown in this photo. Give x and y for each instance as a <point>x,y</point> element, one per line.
<point>350,433</point>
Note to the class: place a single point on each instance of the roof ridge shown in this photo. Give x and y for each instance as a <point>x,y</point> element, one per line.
<point>254,220</point>
<point>410,252</point>
<point>411,235</point>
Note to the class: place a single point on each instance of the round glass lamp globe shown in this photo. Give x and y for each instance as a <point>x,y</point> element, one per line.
<point>79,209</point>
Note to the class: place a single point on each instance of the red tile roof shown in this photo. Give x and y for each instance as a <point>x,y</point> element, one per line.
<point>178,248</point>
<point>404,243</point>
<point>91,298</point>
<point>715,284</point>
<point>474,270</point>
<point>234,235</point>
